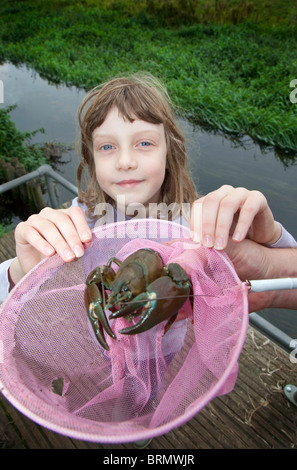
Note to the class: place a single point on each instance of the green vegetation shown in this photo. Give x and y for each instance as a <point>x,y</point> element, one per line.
<point>227,65</point>
<point>17,144</point>
<point>172,12</point>
<point>19,156</point>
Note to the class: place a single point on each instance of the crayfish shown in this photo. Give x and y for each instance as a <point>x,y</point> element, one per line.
<point>142,285</point>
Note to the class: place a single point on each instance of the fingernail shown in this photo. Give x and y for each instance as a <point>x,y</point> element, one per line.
<point>207,241</point>
<point>88,244</point>
<point>86,236</point>
<point>218,243</point>
<point>236,236</point>
<point>48,251</point>
<point>78,251</point>
<point>68,255</point>
<point>195,237</point>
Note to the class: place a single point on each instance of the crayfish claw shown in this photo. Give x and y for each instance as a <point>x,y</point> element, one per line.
<point>132,308</point>
<point>142,286</point>
<point>99,322</point>
<point>164,298</point>
<point>98,330</point>
<point>169,323</point>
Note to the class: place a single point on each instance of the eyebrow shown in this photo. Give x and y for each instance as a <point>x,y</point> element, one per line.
<point>145,132</point>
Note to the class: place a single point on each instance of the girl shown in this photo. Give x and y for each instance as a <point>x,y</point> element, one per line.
<point>135,156</point>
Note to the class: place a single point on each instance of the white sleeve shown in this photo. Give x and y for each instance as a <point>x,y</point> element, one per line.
<point>286,240</point>
<point>4,282</point>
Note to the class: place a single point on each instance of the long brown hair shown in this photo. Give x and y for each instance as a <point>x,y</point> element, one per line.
<point>139,96</point>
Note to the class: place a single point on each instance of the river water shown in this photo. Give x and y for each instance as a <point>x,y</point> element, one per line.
<point>215,159</point>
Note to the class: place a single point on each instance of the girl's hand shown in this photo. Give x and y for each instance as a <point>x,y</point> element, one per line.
<point>235,212</point>
<point>62,231</point>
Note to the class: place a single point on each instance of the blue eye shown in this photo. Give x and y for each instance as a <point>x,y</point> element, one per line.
<point>145,144</point>
<point>106,147</point>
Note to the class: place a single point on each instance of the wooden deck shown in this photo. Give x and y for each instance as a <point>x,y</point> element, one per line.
<point>255,415</point>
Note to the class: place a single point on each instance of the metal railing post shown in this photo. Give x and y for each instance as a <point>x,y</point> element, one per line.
<point>49,174</point>
<point>51,191</point>
<point>273,332</point>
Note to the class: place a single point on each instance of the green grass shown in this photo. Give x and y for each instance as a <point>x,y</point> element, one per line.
<point>172,12</point>
<point>232,77</point>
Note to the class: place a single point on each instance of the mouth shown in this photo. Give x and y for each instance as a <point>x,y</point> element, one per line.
<point>129,183</point>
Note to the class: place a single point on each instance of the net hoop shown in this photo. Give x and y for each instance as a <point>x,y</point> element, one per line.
<point>52,414</point>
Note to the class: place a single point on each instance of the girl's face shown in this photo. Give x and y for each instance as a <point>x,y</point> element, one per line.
<point>130,158</point>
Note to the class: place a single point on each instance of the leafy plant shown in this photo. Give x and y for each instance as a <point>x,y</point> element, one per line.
<point>14,143</point>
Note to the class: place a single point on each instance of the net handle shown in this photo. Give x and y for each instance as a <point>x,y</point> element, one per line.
<point>264,285</point>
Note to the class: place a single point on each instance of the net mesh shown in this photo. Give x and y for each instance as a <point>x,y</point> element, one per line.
<point>54,371</point>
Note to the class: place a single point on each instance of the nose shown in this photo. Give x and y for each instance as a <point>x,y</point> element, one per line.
<point>126,160</point>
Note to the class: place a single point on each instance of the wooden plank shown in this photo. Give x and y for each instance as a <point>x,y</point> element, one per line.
<point>261,404</point>
<point>10,438</point>
<point>7,247</point>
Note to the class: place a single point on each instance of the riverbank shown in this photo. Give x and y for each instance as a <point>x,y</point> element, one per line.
<point>235,78</point>
<point>18,155</point>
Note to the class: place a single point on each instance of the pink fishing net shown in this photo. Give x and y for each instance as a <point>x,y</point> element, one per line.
<point>54,371</point>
